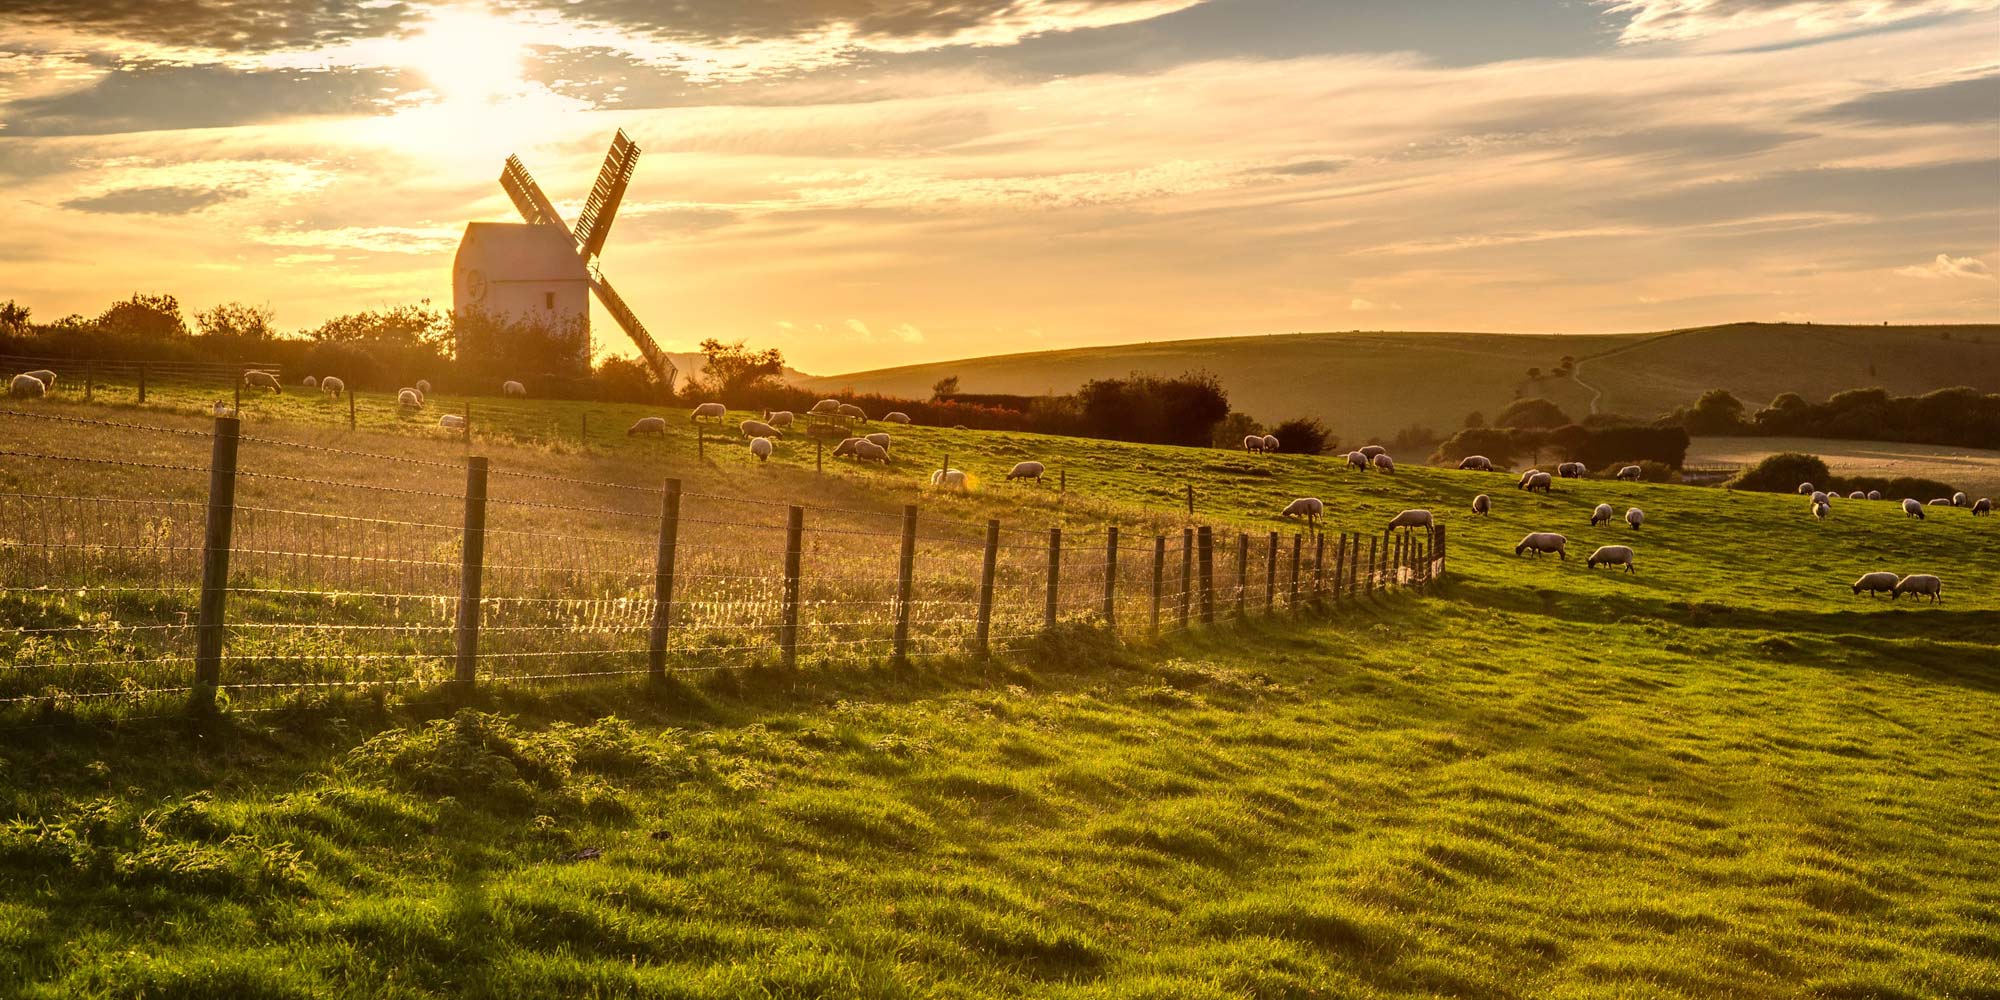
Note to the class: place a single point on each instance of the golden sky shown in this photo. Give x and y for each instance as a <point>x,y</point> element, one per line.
<point>873,182</point>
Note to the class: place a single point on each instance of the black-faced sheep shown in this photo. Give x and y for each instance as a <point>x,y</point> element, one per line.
<point>1541,481</point>
<point>1635,517</point>
<point>1601,514</point>
<point>1805,488</point>
<point>1542,543</point>
<point>1982,506</point>
<point>1482,504</point>
<point>1821,511</point>
<point>1919,585</point>
<point>1958,499</point>
<point>1911,508</point>
<point>1611,555</point>
<point>1876,583</point>
<point>1525,477</point>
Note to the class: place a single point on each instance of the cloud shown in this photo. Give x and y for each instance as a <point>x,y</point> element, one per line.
<point>231,25</point>
<point>152,97</point>
<point>1971,101</point>
<point>907,333</point>
<point>373,239</point>
<point>1681,20</point>
<point>1947,266</point>
<point>153,200</point>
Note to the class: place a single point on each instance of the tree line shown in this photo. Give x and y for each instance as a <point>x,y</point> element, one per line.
<point>1960,416</point>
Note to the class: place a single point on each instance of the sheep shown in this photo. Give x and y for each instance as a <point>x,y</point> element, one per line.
<point>1911,508</point>
<point>1372,450</point>
<point>1253,443</point>
<point>1982,506</point>
<point>424,386</point>
<point>1611,555</point>
<point>868,451</point>
<point>263,380</point>
<point>1571,470</point>
<point>513,388</point>
<point>1475,463</point>
<point>1632,473</point>
<point>1482,504</point>
<point>1271,443</point>
<point>221,408</point>
<point>707,410</point>
<point>881,440</point>
<point>647,425</point>
<point>951,479</point>
<point>1027,470</point>
<point>1919,585</point>
<point>1876,583</point>
<point>1957,499</point>
<point>48,377</point>
<point>1818,497</point>
<point>1941,502</point>
<point>896,417</point>
<point>758,429</point>
<point>1418,518</point>
<point>1874,494</point>
<point>1356,460</point>
<point>851,410</point>
<point>1543,542</point>
<point>761,447</point>
<point>1635,517</point>
<point>332,386</point>
<point>408,399</point>
<point>1383,463</point>
<point>780,419</point>
<point>1805,488</point>
<point>1307,507</point>
<point>826,406</point>
<point>309,382</point>
<point>1525,476</point>
<point>1541,481</point>
<point>27,385</point>
<point>1821,511</point>
<point>1857,495</point>
<point>1601,514</point>
<point>452,422</point>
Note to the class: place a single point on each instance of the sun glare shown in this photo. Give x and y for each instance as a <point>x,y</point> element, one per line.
<point>468,56</point>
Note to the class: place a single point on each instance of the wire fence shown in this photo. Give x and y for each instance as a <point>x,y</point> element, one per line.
<point>164,564</point>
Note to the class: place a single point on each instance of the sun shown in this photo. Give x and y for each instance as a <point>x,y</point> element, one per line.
<point>468,56</point>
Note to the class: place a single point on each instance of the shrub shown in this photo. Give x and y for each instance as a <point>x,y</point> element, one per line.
<point>1304,436</point>
<point>1531,412</point>
<point>1782,473</point>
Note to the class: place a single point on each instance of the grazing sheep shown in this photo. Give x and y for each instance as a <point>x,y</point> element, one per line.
<point>1253,443</point>
<point>48,377</point>
<point>1418,518</point>
<point>1941,502</point>
<point>1356,460</point>
<point>826,406</point>
<point>1874,494</point>
<point>1383,463</point>
<point>1857,495</point>
<point>1525,477</point>
<point>1818,497</point>
<point>780,419</point>
<point>1542,543</point>
<point>1911,508</point>
<point>851,410</point>
<point>880,439</point>
<point>27,385</point>
<point>1541,481</point>
<point>1307,507</point>
<point>452,422</point>
<point>1476,463</point>
<point>1027,470</point>
<point>758,429</point>
<point>708,410</point>
<point>1271,442</point>
<point>761,447</point>
<point>1571,470</point>
<point>424,386</point>
<point>1372,450</point>
<point>1876,583</point>
<point>1957,499</point>
<point>332,386</point>
<point>1611,555</point>
<point>1601,514</point>
<point>896,417</point>
<point>1805,488</point>
<point>221,407</point>
<point>1919,585</point>
<point>1482,504</point>
<point>263,380</point>
<point>951,479</point>
<point>1632,473</point>
<point>647,425</point>
<point>1635,517</point>
<point>868,451</point>
<point>408,399</point>
<point>1983,505</point>
<point>309,382</point>
<point>1821,511</point>
<point>513,388</point>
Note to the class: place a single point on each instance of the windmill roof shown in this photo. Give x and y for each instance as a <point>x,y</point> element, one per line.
<point>522,252</point>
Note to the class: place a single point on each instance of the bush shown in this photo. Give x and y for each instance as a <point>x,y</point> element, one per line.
<point>1229,434</point>
<point>1531,412</point>
<point>1782,473</point>
<point>1304,436</point>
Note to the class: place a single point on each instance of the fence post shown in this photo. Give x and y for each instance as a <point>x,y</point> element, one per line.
<point>905,568</point>
<point>1298,542</point>
<point>819,456</point>
<point>1062,479</point>
<point>1371,565</point>
<point>89,382</point>
<point>1242,573</point>
<point>1443,550</point>
<point>1339,563</point>
<point>472,562</point>
<point>1159,577</point>
<point>1271,575</point>
<point>467,429</point>
<point>1111,578</point>
<point>237,409</point>
<point>1319,571</point>
<point>1055,578</point>
<point>349,393</point>
<point>1187,574</point>
<point>583,430</point>
<point>1205,553</point>
<point>788,628</point>
<point>1354,566</point>
<point>663,578</point>
<point>1190,499</point>
<point>142,382</point>
<point>986,585</point>
<point>700,442</point>
<point>215,561</point>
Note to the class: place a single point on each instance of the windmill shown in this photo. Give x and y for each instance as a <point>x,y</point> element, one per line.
<point>545,265</point>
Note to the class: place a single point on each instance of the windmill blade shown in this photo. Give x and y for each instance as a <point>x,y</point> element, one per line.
<point>529,200</point>
<point>649,349</point>
<point>593,224</point>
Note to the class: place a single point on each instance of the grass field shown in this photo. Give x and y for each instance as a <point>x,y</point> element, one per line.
<point>1973,470</point>
<point>1372,384</point>
<point>1723,775</point>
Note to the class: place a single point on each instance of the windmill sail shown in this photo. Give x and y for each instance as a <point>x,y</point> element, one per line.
<point>648,348</point>
<point>528,198</point>
<point>593,224</point>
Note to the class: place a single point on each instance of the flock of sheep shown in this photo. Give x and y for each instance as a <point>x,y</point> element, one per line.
<point>873,447</point>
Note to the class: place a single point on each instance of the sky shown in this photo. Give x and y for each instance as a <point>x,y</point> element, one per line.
<point>864,183</point>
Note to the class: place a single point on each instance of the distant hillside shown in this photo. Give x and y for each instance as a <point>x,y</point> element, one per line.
<point>1372,384</point>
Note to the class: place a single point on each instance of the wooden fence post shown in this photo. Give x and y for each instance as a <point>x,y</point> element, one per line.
<point>1298,543</point>
<point>1205,550</point>
<point>906,565</point>
<point>1339,563</point>
<point>1190,499</point>
<point>1319,571</point>
<point>472,563</point>
<point>1111,579</point>
<point>89,382</point>
<point>467,429</point>
<point>1371,565</point>
<point>1055,578</point>
<point>1062,480</point>
<point>142,382</point>
<point>215,548</point>
<point>819,456</point>
<point>663,578</point>
<point>236,409</point>
<point>1443,552</point>
<point>1242,572</point>
<point>1271,574</point>
<point>349,393</point>
<point>788,626</point>
<point>987,567</point>
<point>1187,574</point>
<point>1159,577</point>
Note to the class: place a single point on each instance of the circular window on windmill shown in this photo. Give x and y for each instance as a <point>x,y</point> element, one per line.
<point>475,284</point>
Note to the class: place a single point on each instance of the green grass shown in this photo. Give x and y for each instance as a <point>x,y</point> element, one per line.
<point>1723,775</point>
<point>1372,384</point>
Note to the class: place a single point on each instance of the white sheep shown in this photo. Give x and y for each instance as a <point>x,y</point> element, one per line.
<point>1253,443</point>
<point>1482,504</point>
<point>1571,470</point>
<point>1525,477</point>
<point>1356,460</point>
<point>1383,463</point>
<point>1983,505</point>
<point>1874,494</point>
<point>1542,543</point>
<point>1476,463</point>
<point>1027,470</point>
<point>1271,443</point>
<point>851,410</point>
<point>1541,481</point>
<point>1611,555</point>
<point>868,451</point>
<point>309,382</point>
<point>1372,450</point>
<point>1635,517</point>
<point>780,419</point>
<point>452,422</point>
<point>826,406</point>
<point>263,380</point>
<point>1822,511</point>
<point>1876,583</point>
<point>424,386</point>
<point>647,425</point>
<point>332,386</point>
<point>1911,508</point>
<point>27,385</point>
<point>951,479</point>
<point>1857,495</point>
<point>1307,507</point>
<point>1417,518</point>
<point>896,417</point>
<point>48,377</point>
<point>408,399</point>
<point>1805,488</point>
<point>715,410</point>
<point>1941,502</point>
<point>1818,497</point>
<point>513,388</point>
<point>1958,499</point>
<point>1632,473</point>
<point>880,439</point>
<point>1919,585</point>
<point>761,447</point>
<point>758,429</point>
<point>1602,513</point>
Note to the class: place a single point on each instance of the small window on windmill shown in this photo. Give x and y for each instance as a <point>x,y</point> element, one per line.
<point>549,300</point>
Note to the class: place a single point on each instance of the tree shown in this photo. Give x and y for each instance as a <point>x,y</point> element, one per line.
<point>626,380</point>
<point>1534,373</point>
<point>1234,428</point>
<point>945,387</point>
<point>404,326</point>
<point>1531,412</point>
<point>1474,421</point>
<point>238,321</point>
<point>1413,440</point>
<point>13,317</point>
<point>733,367</point>
<point>1304,436</point>
<point>147,316</point>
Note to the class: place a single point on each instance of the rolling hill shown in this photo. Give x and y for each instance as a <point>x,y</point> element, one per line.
<point>1371,384</point>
